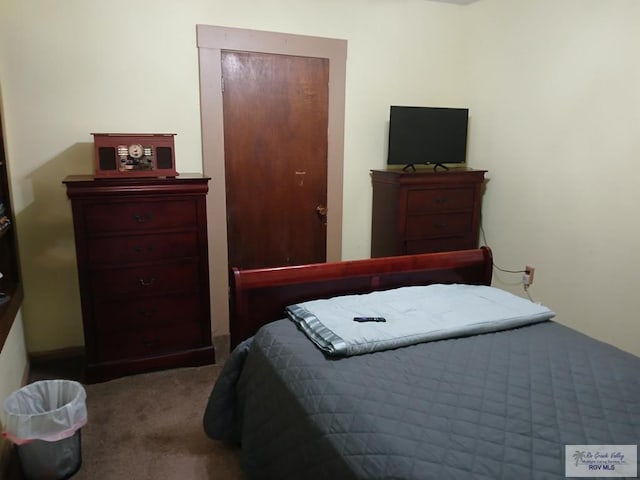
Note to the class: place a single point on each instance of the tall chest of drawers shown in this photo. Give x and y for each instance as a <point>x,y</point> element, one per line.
<point>142,257</point>
<point>425,211</point>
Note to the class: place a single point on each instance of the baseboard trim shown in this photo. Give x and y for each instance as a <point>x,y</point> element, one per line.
<point>61,353</point>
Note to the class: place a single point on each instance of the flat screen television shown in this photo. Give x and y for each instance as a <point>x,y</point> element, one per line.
<point>427,135</point>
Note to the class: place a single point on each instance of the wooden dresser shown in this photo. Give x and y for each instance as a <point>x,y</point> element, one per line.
<point>142,255</point>
<point>425,211</point>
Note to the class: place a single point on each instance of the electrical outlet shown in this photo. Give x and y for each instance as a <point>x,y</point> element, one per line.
<point>528,275</point>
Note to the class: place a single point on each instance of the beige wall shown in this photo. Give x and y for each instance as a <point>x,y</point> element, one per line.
<point>540,78</point>
<point>77,67</point>
<point>554,90</point>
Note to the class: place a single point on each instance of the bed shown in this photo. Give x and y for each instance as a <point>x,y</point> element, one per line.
<point>502,404</point>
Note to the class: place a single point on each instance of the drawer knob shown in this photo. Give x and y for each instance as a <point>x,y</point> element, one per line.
<point>441,200</point>
<point>143,218</point>
<point>146,283</point>
<point>440,226</point>
<point>140,249</point>
<point>148,312</point>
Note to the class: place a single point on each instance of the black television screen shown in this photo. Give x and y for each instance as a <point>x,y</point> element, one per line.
<point>427,135</point>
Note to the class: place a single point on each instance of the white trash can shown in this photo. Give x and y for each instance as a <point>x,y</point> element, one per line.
<point>44,421</point>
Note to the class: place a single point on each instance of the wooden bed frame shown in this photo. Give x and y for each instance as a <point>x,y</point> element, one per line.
<point>259,296</point>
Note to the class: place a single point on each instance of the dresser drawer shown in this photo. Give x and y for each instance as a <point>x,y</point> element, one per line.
<point>135,248</point>
<point>146,280</point>
<point>145,343</point>
<point>440,199</point>
<point>140,216</point>
<point>145,313</point>
<point>438,225</point>
<point>443,244</point>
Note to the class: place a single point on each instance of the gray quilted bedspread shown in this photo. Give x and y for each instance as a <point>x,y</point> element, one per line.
<point>493,406</point>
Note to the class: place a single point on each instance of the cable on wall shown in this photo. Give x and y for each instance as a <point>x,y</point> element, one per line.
<point>525,283</point>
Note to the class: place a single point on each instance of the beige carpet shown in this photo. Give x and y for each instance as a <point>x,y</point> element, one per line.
<point>150,427</point>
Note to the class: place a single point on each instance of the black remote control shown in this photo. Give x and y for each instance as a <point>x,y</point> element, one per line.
<point>369,319</point>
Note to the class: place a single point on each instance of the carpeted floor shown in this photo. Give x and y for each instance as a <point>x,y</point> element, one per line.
<point>145,427</point>
<point>150,427</point>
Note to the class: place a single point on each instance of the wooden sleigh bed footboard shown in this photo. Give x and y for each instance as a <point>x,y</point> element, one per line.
<point>259,296</point>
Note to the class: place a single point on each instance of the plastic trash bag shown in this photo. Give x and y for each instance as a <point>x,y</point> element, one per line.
<point>44,421</point>
<point>48,410</point>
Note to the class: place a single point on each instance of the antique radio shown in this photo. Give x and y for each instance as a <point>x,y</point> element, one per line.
<point>134,155</point>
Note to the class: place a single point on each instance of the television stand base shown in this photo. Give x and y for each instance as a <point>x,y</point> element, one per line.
<point>412,168</point>
<point>435,166</point>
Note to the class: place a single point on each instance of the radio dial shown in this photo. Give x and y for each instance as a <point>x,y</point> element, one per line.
<point>136,150</point>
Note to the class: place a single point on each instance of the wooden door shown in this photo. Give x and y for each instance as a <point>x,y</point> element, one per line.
<point>275,110</point>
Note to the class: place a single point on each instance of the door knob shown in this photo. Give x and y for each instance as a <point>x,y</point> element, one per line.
<point>321,210</point>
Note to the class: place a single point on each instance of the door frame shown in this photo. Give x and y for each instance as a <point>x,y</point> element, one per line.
<point>211,40</point>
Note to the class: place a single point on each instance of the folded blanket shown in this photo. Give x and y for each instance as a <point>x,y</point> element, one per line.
<point>412,315</point>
